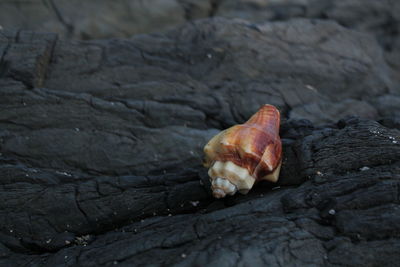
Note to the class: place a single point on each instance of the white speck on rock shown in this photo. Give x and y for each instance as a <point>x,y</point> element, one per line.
<point>48,241</point>
<point>183,255</point>
<point>209,55</point>
<point>311,87</point>
<point>194,203</point>
<point>82,240</point>
<point>115,262</point>
<point>365,168</point>
<point>394,142</point>
<point>64,173</point>
<point>77,129</point>
<point>332,212</point>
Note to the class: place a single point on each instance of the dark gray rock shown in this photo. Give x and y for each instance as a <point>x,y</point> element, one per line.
<point>217,56</point>
<point>101,147</point>
<point>123,18</point>
<point>94,18</point>
<point>25,56</point>
<point>157,222</point>
<point>381,19</point>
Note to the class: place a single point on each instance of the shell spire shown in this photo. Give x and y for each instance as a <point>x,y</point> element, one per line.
<point>244,154</point>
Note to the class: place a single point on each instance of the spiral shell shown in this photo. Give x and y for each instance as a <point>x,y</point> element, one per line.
<point>244,154</point>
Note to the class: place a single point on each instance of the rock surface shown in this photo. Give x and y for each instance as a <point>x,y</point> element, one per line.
<point>380,19</point>
<point>123,18</point>
<point>101,145</point>
<point>91,18</point>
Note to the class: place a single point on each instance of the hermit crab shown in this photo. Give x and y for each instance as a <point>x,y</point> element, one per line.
<point>245,154</point>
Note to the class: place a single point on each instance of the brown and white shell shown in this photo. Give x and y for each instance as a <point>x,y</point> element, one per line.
<point>244,154</point>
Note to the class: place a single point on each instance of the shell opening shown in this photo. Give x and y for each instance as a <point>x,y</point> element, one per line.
<point>230,177</point>
<point>222,187</point>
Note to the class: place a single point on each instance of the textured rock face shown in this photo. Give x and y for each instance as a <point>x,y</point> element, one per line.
<point>101,145</point>
<point>93,19</point>
<point>381,19</point>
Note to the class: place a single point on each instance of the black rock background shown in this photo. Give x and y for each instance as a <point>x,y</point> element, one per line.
<point>101,141</point>
<point>94,19</point>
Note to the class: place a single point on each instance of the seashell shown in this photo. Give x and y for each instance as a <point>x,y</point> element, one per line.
<point>245,154</point>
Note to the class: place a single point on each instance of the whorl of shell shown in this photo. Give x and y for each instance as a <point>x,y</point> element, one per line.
<point>244,154</point>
